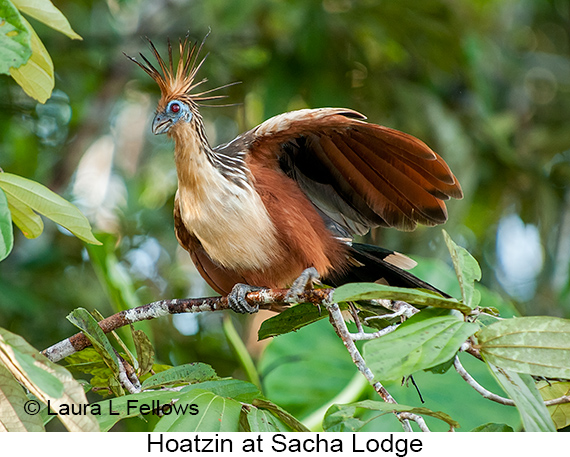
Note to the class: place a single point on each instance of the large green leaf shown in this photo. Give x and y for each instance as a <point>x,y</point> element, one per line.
<point>46,380</point>
<point>467,270</point>
<point>342,418</point>
<point>22,191</point>
<point>36,75</point>
<point>537,345</point>
<point>522,390</point>
<point>371,291</point>
<point>109,412</point>
<point>215,414</point>
<point>210,406</point>
<point>15,38</point>
<point>44,11</point>
<point>429,338</point>
<point>6,230</point>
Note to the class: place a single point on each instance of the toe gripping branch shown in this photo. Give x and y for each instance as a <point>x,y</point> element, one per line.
<point>238,301</point>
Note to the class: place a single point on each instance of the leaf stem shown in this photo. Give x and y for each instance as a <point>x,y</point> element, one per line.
<point>241,351</point>
<point>351,392</point>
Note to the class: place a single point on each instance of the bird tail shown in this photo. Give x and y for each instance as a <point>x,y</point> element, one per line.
<point>370,263</point>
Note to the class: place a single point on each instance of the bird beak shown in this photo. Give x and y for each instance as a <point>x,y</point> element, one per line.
<point>161,124</point>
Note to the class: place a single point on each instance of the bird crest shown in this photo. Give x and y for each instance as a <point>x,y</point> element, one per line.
<point>179,82</point>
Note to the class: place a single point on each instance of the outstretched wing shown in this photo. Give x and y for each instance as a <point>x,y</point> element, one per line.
<point>359,175</point>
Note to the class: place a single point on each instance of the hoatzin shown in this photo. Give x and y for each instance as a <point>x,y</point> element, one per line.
<point>278,205</point>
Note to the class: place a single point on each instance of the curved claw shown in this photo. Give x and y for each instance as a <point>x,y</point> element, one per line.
<point>237,299</point>
<point>304,282</point>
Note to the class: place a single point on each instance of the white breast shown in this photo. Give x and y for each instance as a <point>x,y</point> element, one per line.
<point>231,222</point>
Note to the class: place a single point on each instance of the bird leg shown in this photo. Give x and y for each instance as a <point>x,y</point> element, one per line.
<point>304,282</point>
<point>237,299</point>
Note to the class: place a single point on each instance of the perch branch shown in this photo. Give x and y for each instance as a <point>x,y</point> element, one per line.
<point>272,299</point>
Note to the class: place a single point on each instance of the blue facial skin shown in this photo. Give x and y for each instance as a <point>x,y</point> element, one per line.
<point>174,111</point>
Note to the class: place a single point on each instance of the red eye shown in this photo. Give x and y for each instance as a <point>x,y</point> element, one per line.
<point>175,107</point>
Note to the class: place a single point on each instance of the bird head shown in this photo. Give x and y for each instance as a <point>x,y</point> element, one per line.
<point>177,103</point>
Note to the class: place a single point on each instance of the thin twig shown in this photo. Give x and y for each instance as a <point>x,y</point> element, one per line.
<point>341,329</point>
<point>478,387</point>
<point>127,375</point>
<point>417,419</point>
<point>362,335</point>
<point>399,308</point>
<point>494,397</point>
<point>558,401</point>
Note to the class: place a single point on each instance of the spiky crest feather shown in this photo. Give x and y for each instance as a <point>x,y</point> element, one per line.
<point>179,85</point>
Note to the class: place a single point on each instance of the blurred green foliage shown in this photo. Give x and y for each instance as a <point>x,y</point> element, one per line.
<point>485,83</point>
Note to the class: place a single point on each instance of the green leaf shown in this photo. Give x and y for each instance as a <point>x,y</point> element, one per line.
<point>44,11</point>
<point>55,384</point>
<point>90,362</point>
<point>291,319</point>
<point>85,322</point>
<point>467,270</point>
<point>49,384</point>
<point>145,351</point>
<point>15,38</point>
<point>242,391</point>
<point>341,418</point>
<point>560,414</point>
<point>145,403</point>
<point>537,345</point>
<point>442,368</point>
<point>36,75</point>
<point>188,373</point>
<point>22,191</point>
<point>6,230</point>
<point>112,275</point>
<point>429,338</point>
<point>26,220</point>
<point>279,412</point>
<point>522,390</point>
<point>492,427</point>
<point>13,416</point>
<point>300,359</point>
<point>215,414</point>
<point>371,291</point>
<point>260,420</point>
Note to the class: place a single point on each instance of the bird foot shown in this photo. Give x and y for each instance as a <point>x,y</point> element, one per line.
<point>237,299</point>
<point>304,282</point>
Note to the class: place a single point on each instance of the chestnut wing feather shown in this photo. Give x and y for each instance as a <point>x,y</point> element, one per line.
<point>359,175</point>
